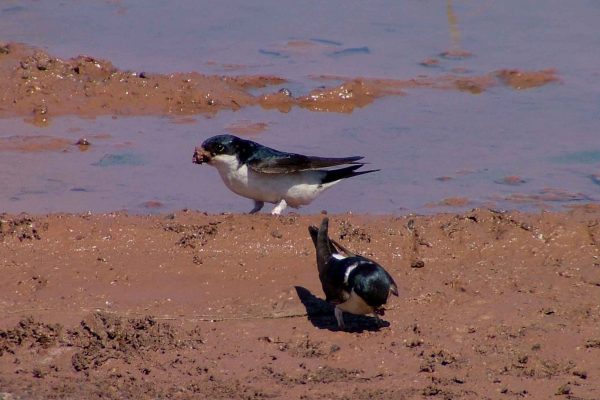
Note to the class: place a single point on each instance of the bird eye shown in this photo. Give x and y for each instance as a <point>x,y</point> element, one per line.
<point>219,148</point>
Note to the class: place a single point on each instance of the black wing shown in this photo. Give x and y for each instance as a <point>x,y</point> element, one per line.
<point>271,161</point>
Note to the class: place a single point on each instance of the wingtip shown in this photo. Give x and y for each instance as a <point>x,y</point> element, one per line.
<point>354,159</point>
<point>356,173</point>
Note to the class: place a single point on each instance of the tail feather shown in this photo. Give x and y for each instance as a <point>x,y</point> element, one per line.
<point>314,235</point>
<point>347,172</point>
<point>323,246</point>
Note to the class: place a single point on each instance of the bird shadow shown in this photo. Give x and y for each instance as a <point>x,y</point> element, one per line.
<point>320,314</point>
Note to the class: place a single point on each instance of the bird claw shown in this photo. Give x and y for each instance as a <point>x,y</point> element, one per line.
<point>279,208</point>
<point>258,205</point>
<point>339,316</point>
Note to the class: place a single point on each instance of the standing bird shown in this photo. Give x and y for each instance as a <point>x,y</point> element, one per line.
<point>272,176</point>
<point>352,282</point>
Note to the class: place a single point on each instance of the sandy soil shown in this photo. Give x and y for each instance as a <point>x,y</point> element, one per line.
<point>187,305</point>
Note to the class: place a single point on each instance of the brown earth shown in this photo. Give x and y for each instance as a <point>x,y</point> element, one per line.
<point>187,305</point>
<point>38,86</point>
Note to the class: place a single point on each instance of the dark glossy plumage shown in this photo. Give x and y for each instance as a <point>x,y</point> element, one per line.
<point>366,278</point>
<point>266,175</point>
<point>270,161</point>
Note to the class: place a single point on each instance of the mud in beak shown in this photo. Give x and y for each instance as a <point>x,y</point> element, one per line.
<point>201,156</point>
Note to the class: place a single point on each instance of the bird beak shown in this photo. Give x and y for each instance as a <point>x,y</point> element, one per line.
<point>201,156</point>
<point>380,311</point>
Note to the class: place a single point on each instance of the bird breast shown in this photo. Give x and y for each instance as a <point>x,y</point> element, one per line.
<point>298,188</point>
<point>355,305</point>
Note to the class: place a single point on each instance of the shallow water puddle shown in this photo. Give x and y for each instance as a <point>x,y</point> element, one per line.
<point>499,141</point>
<point>144,164</point>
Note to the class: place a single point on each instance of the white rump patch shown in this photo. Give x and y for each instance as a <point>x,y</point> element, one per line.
<point>348,271</point>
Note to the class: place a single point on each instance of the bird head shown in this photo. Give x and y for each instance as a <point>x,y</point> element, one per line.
<point>216,146</point>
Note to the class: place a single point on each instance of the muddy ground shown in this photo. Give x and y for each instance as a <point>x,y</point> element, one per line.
<point>39,86</point>
<point>188,305</point>
<point>492,305</point>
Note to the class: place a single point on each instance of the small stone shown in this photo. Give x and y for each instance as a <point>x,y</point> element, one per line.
<point>592,343</point>
<point>523,359</point>
<point>580,374</point>
<point>456,54</point>
<point>83,142</point>
<point>511,180</point>
<point>417,264</point>
<point>564,389</point>
<point>426,368</point>
<point>152,204</point>
<point>431,391</point>
<point>197,260</point>
<point>430,62</point>
<point>42,60</point>
<point>38,373</point>
<point>414,343</point>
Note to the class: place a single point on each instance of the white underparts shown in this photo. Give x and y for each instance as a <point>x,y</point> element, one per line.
<point>296,188</point>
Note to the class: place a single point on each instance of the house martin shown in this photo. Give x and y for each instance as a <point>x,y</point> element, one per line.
<point>353,283</point>
<point>266,175</point>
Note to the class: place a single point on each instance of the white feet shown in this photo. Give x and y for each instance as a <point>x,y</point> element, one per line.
<point>339,316</point>
<point>258,205</point>
<point>279,208</point>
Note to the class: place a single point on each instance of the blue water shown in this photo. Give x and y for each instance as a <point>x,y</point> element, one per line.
<point>547,136</point>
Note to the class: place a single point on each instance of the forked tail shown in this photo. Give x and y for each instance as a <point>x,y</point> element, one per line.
<point>347,172</point>
<point>324,248</point>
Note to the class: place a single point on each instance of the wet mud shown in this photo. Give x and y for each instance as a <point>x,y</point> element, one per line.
<point>39,86</point>
<point>192,305</point>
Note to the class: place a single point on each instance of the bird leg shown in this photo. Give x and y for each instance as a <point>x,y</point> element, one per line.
<point>339,316</point>
<point>258,205</point>
<point>279,208</point>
